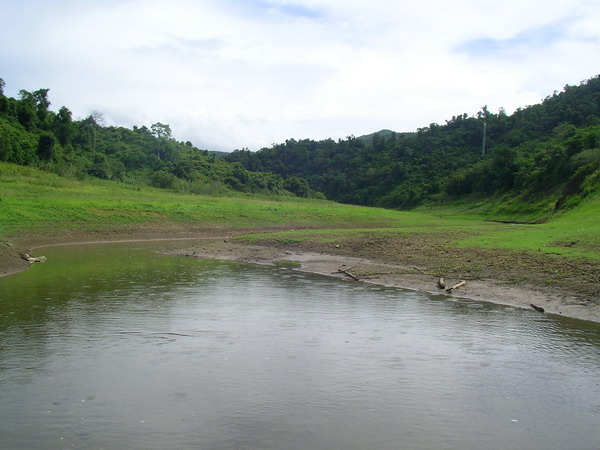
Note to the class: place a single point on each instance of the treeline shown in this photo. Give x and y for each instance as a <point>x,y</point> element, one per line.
<point>552,147</point>
<point>32,134</point>
<point>549,147</point>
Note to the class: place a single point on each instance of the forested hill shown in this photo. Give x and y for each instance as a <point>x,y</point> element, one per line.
<point>549,148</point>
<point>32,134</point>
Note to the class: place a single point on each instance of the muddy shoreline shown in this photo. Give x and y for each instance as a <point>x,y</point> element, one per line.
<point>387,264</point>
<point>396,275</point>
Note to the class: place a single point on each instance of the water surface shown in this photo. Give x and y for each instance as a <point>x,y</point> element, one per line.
<point>116,346</point>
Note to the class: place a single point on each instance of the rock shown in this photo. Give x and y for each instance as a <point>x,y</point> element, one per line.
<point>537,308</point>
<point>441,284</point>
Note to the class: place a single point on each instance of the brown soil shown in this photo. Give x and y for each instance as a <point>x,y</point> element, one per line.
<point>11,259</point>
<point>559,285</point>
<point>428,253</point>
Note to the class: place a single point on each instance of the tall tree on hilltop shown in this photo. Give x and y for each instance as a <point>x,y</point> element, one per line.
<point>161,131</point>
<point>38,100</point>
<point>96,120</point>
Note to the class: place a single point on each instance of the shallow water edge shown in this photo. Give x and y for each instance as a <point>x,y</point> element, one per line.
<point>222,245</point>
<point>390,275</point>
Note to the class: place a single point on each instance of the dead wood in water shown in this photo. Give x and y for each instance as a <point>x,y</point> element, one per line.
<point>456,286</point>
<point>344,271</point>
<point>31,259</point>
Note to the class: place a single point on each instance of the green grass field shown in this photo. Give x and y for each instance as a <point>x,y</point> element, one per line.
<point>574,233</point>
<point>33,202</point>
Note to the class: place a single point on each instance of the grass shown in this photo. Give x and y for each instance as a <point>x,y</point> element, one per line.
<point>574,233</point>
<point>40,203</point>
<point>35,201</point>
<point>507,209</point>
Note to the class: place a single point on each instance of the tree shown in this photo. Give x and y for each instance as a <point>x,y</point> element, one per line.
<point>63,125</point>
<point>162,132</point>
<point>3,99</point>
<point>163,179</point>
<point>26,115</point>
<point>298,186</point>
<point>46,146</point>
<point>38,100</point>
<point>42,103</point>
<point>484,113</point>
<point>96,120</point>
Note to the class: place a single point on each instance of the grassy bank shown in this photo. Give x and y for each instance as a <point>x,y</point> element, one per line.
<point>573,234</point>
<point>556,259</point>
<point>32,201</point>
<point>43,205</point>
<point>561,255</point>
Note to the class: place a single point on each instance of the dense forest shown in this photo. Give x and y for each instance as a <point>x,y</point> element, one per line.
<point>32,134</point>
<point>551,147</point>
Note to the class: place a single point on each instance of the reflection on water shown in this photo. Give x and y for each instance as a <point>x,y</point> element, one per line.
<point>115,346</point>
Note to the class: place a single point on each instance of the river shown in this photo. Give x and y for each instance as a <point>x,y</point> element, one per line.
<point>117,346</point>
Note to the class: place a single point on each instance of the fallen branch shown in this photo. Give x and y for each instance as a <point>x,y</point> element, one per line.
<point>354,277</point>
<point>456,286</point>
<point>31,259</point>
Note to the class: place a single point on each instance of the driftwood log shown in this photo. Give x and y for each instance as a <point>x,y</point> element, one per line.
<point>344,271</point>
<point>31,259</point>
<point>456,286</point>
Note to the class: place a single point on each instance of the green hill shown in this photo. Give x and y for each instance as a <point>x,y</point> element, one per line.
<point>31,134</point>
<point>63,180</point>
<point>36,205</point>
<point>522,167</point>
<point>546,151</point>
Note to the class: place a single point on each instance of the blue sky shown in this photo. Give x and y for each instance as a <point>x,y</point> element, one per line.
<point>228,74</point>
<point>524,42</point>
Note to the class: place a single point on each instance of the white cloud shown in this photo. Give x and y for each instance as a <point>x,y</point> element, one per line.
<point>231,73</point>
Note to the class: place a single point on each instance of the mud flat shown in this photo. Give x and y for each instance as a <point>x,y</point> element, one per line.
<point>403,274</point>
<point>563,287</point>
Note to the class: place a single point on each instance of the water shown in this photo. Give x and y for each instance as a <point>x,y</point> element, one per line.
<point>115,346</point>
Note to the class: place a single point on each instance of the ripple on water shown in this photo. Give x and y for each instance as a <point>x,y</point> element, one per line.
<point>185,353</point>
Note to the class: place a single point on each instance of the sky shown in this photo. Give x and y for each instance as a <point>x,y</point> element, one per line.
<point>232,74</point>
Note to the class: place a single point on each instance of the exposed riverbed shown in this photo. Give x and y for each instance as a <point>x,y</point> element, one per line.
<point>401,271</point>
